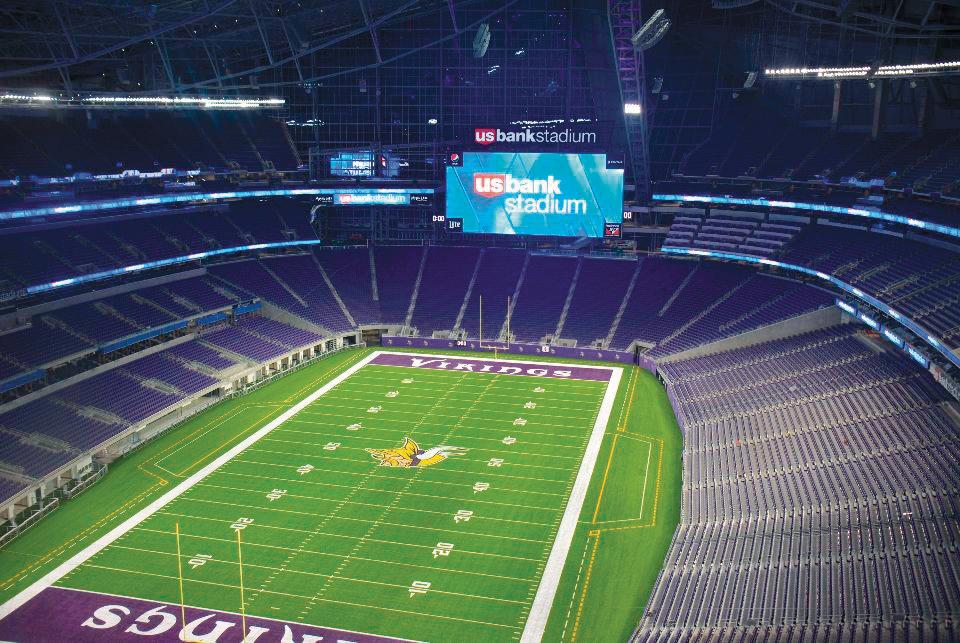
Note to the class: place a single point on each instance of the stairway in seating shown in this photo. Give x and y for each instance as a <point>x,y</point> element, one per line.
<point>107,309</point>
<point>753,311</point>
<point>374,291</point>
<point>416,288</point>
<point>79,239</point>
<point>246,236</point>
<point>283,284</point>
<point>703,313</point>
<point>623,305</point>
<point>172,240</point>
<point>53,322</point>
<point>221,288</point>
<point>253,146</point>
<point>676,293</point>
<point>513,299</point>
<point>333,291</point>
<point>183,301</point>
<point>566,304</point>
<point>466,297</point>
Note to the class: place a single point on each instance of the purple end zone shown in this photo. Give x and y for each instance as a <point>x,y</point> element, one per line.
<point>57,615</point>
<point>497,367</point>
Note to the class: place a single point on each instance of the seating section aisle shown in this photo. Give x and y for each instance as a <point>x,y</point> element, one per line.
<point>349,270</point>
<point>259,339</point>
<point>600,290</point>
<point>446,276</point>
<point>39,257</point>
<point>727,231</point>
<point>41,435</point>
<point>397,270</point>
<point>812,464</point>
<point>497,277</point>
<point>542,296</point>
<point>917,279</point>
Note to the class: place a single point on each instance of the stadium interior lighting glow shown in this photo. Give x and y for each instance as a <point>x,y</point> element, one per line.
<point>77,100</point>
<point>632,109</point>
<point>886,71</point>
<point>644,32</point>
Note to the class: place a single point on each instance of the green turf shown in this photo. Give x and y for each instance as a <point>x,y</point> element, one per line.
<point>346,541</point>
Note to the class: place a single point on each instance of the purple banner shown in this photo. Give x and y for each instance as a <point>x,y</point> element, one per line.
<point>565,352</point>
<point>56,615</point>
<point>497,367</point>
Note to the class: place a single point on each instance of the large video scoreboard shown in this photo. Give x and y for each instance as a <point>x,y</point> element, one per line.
<point>569,195</point>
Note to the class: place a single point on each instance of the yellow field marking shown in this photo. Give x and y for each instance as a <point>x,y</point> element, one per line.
<point>166,451</point>
<point>628,402</point>
<point>656,497</point>
<point>342,367</point>
<point>606,529</point>
<point>213,423</point>
<point>603,484</point>
<point>586,583</point>
<point>225,443</point>
<point>576,585</point>
<point>161,481</point>
<point>54,552</point>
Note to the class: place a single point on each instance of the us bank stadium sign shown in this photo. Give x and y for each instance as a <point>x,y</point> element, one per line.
<point>490,135</point>
<point>545,136</point>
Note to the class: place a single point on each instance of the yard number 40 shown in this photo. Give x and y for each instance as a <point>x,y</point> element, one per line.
<point>418,587</point>
<point>241,523</point>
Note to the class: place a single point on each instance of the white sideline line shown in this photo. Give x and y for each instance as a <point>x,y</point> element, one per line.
<point>101,543</point>
<point>547,590</point>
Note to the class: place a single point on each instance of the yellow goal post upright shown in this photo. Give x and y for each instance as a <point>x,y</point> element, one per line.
<point>495,345</point>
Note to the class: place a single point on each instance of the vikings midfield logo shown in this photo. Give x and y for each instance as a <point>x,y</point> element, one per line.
<point>411,455</point>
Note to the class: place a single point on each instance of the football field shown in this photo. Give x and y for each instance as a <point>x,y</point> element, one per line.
<point>413,497</point>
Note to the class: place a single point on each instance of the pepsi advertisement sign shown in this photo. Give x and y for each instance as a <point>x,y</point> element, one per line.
<point>568,195</point>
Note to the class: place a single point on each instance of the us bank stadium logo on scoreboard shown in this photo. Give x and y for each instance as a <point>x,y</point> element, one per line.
<point>541,196</point>
<point>409,454</point>
<point>490,135</point>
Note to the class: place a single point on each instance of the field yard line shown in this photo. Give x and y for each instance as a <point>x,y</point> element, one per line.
<point>426,399</point>
<point>547,591</point>
<point>375,540</point>
<point>101,543</point>
<point>389,524</point>
<point>438,415</point>
<point>363,504</point>
<point>390,443</point>
<point>328,600</point>
<point>368,429</point>
<point>207,485</point>
<point>384,419</point>
<point>303,573</point>
<point>330,484</point>
<point>525,581</point>
<point>646,476</point>
<point>437,471</point>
